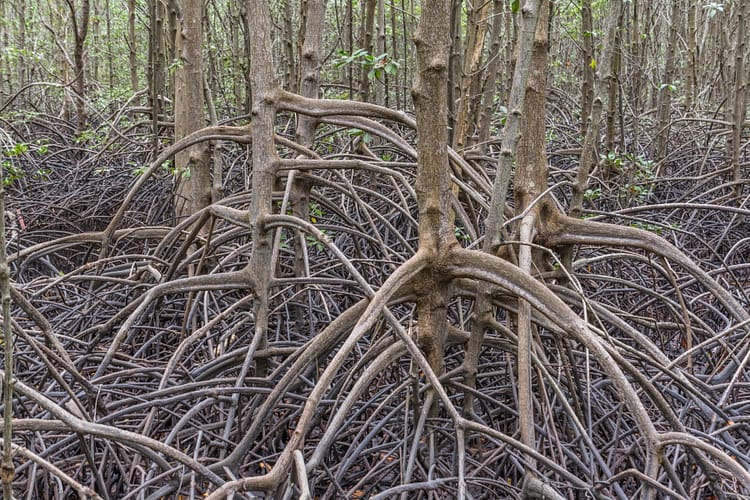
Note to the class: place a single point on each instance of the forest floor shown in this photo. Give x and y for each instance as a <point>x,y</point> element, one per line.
<point>180,375</point>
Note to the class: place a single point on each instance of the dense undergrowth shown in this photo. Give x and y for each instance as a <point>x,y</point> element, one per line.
<point>109,341</point>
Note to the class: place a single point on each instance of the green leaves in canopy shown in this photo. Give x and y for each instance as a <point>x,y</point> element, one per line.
<point>377,66</point>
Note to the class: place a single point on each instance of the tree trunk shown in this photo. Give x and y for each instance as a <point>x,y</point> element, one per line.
<point>602,89</point>
<point>5,83</point>
<point>191,165</point>
<point>691,70</point>
<point>430,95</point>
<point>611,58</point>
<point>23,71</point>
<point>454,65</point>
<point>588,63</point>
<point>156,70</point>
<point>530,181</point>
<point>311,36</point>
<point>80,31</point>
<point>367,37</point>
<point>664,103</point>
<point>290,63</point>
<point>132,47</point>
<point>739,94</point>
<point>493,70</point>
<point>381,86</point>
<point>264,165</point>
<point>395,56</point>
<point>476,31</point>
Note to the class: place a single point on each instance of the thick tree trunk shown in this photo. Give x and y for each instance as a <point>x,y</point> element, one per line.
<point>433,185</point>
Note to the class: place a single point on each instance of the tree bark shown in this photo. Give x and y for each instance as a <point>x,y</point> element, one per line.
<point>739,95</point>
<point>191,165</point>
<point>476,31</point>
<point>433,184</point>
<point>664,101</point>
<point>80,31</point>
<point>493,69</point>
<point>366,38</point>
<point>132,47</point>
<point>588,62</point>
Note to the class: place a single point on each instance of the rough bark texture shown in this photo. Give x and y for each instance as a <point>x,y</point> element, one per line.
<point>430,94</point>
<point>492,73</point>
<point>531,158</point>
<point>664,102</point>
<point>739,92</point>
<point>192,165</point>
<point>132,47</point>
<point>587,64</point>
<point>476,31</point>
<point>80,31</point>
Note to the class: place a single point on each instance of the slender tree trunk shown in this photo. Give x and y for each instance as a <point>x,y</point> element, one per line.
<point>602,89</point>
<point>5,84</point>
<point>588,63</point>
<point>612,61</point>
<point>367,37</point>
<point>96,40</point>
<point>110,49</point>
<point>192,164</point>
<point>80,27</point>
<point>310,65</point>
<point>381,86</point>
<point>476,31</point>
<point>247,63</point>
<point>132,47</point>
<point>290,63</point>
<point>691,70</point>
<point>739,95</point>
<point>23,70</point>
<point>173,26</point>
<point>156,70</point>
<point>395,55</point>
<point>493,70</point>
<point>349,23</point>
<point>664,103</point>
<point>637,75</point>
<point>530,181</point>
<point>531,157</point>
<point>454,65</point>
<point>235,47</point>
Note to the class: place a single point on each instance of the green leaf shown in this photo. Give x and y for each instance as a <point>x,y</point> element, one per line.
<point>515,6</point>
<point>391,67</point>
